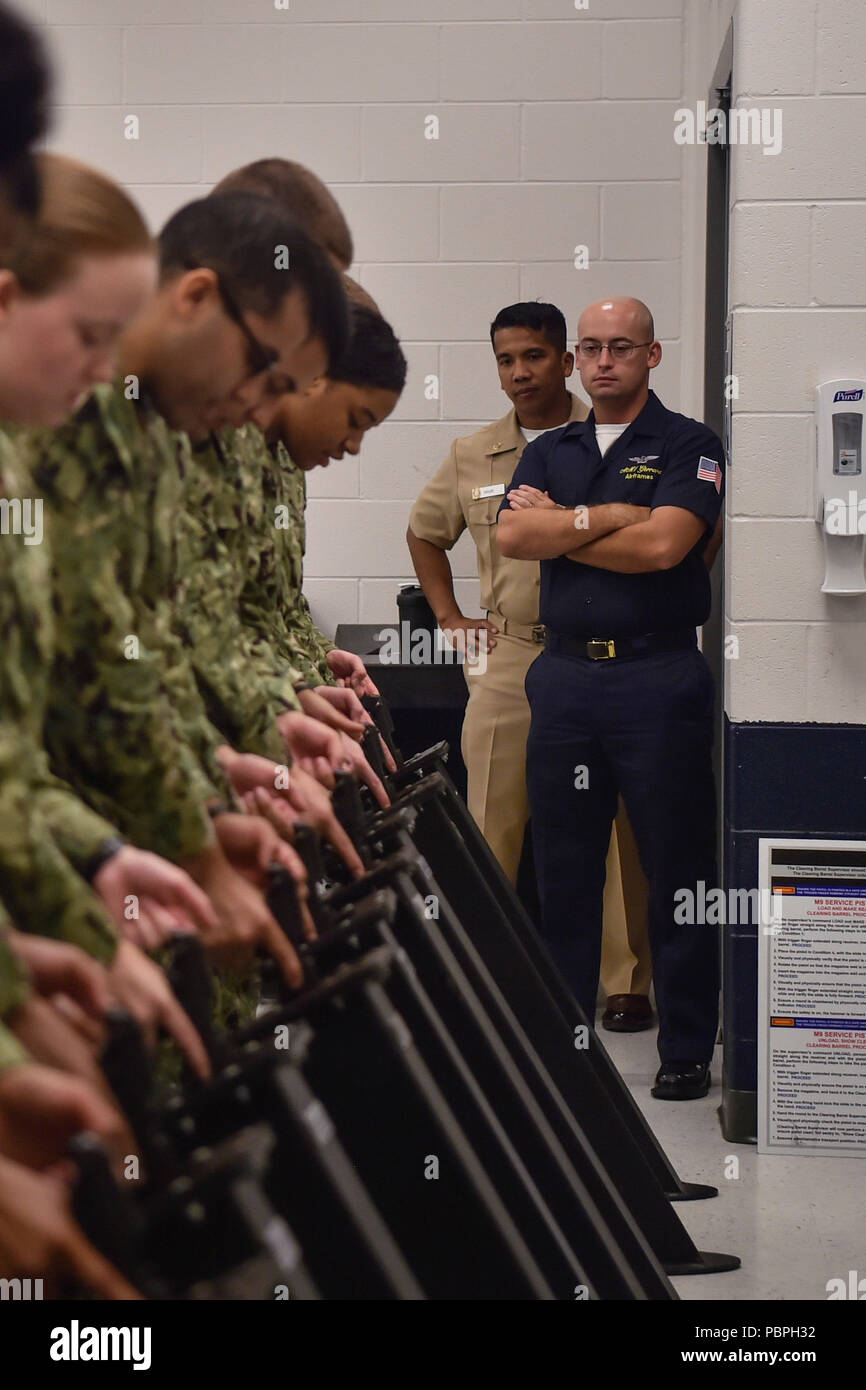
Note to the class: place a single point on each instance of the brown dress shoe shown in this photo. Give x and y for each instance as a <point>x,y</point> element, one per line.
<point>627,1013</point>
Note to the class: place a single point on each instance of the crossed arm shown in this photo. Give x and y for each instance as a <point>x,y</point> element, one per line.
<point>612,536</point>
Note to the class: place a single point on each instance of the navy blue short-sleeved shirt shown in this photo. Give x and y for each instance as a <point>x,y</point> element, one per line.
<point>662,460</point>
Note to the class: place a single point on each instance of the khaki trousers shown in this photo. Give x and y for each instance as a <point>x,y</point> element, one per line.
<point>495,730</point>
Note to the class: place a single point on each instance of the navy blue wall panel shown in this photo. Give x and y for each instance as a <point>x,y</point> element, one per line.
<point>789,780</point>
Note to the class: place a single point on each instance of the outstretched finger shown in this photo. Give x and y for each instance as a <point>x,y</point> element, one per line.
<point>179,1025</point>
<point>283,952</point>
<point>195,904</point>
<point>93,1270</point>
<point>332,831</point>
<point>367,775</point>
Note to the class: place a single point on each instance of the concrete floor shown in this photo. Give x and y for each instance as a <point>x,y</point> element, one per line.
<point>795,1222</point>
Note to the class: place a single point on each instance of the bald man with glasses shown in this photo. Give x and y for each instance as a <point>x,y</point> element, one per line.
<point>620,510</point>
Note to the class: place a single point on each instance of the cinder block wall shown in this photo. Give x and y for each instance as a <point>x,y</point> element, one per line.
<point>555,130</point>
<point>798,299</point>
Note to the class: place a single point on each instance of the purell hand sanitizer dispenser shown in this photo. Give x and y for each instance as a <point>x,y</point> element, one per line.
<point>840,484</point>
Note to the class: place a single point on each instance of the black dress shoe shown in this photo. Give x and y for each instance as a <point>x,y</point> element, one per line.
<point>682,1081</point>
<point>627,1013</point>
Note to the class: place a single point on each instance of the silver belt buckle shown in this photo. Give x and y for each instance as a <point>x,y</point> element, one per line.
<point>600,648</point>
<point>539,632</point>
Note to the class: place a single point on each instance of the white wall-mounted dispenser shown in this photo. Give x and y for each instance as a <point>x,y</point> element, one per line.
<point>840,484</point>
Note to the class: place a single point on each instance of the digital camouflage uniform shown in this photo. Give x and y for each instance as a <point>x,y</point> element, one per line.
<point>47,835</point>
<point>11,1051</point>
<point>273,603</point>
<point>125,725</point>
<point>14,991</point>
<point>14,977</point>
<point>244,683</point>
<point>131,731</point>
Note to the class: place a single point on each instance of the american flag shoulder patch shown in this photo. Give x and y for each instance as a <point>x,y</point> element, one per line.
<point>710,472</point>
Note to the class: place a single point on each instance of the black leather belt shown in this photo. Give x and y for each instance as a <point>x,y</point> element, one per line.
<point>607,648</point>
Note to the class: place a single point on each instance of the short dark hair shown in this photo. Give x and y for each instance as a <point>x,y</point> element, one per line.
<point>241,236</point>
<point>540,317</point>
<point>374,356</point>
<point>302,193</point>
<point>25,81</point>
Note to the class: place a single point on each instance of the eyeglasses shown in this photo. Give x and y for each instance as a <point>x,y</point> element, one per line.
<point>260,357</point>
<point>620,349</point>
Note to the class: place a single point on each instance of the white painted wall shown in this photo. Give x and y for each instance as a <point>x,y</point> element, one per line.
<point>798,297</point>
<point>555,130</point>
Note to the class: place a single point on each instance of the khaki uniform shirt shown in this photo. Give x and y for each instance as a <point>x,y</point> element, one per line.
<point>451,501</point>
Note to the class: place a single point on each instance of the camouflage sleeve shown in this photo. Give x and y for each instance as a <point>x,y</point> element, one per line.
<point>272,604</point>
<point>302,635</point>
<point>14,991</point>
<point>27,643</point>
<point>38,885</point>
<point>77,830</point>
<point>12,1054</point>
<point>245,685</point>
<point>14,977</point>
<point>299,619</point>
<point>111,731</point>
<point>186,700</point>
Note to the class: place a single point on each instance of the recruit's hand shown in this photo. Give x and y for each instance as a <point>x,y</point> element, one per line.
<point>244,923</point>
<point>246,771</point>
<point>313,746</point>
<point>150,898</point>
<point>40,1239</point>
<point>142,988</point>
<point>55,967</point>
<point>294,793</point>
<point>343,697</point>
<point>313,705</point>
<point>306,800</point>
<point>364,772</point>
<point>41,1108</point>
<point>350,670</point>
<point>252,845</point>
<point>44,1029</point>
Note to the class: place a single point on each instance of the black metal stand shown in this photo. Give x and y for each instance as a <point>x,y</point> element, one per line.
<point>522,956</point>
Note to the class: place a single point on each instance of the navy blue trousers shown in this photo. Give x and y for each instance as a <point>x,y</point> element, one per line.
<point>641,726</point>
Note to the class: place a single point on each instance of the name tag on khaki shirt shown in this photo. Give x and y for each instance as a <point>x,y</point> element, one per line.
<point>492,490</point>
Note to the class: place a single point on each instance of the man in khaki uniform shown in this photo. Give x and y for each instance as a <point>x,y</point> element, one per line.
<point>529,341</point>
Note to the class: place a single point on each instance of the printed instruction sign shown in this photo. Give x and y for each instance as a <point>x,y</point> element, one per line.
<point>812,997</point>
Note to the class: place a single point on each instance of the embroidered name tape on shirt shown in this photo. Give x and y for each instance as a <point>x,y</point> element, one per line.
<point>710,472</point>
<point>492,490</point>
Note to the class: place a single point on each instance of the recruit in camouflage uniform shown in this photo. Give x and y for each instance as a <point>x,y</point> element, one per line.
<point>142,748</point>
<point>45,829</point>
<point>126,725</point>
<point>272,602</point>
<point>245,684</point>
